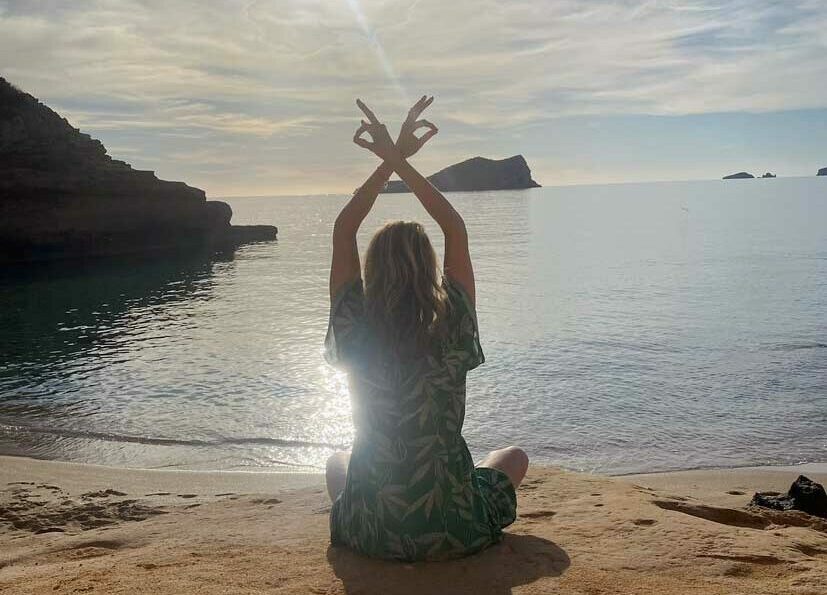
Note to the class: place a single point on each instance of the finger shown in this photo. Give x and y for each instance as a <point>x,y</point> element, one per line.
<point>362,129</point>
<point>364,143</point>
<point>427,136</point>
<point>418,108</point>
<point>367,111</point>
<point>423,124</point>
<point>425,103</point>
<point>412,114</point>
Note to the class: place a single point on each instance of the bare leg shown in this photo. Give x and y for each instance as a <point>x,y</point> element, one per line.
<point>510,460</point>
<point>336,473</point>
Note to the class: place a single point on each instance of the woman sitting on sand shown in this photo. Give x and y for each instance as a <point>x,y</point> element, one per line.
<point>409,489</point>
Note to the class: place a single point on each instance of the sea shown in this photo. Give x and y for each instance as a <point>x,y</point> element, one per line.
<point>627,328</point>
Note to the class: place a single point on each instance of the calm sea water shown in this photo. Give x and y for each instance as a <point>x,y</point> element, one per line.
<point>627,328</point>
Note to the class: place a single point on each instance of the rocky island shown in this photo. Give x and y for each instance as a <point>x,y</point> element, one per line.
<point>478,174</point>
<point>62,196</point>
<point>822,172</point>
<point>741,175</point>
<point>769,175</point>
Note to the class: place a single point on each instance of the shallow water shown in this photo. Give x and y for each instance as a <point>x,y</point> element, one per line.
<point>627,328</point>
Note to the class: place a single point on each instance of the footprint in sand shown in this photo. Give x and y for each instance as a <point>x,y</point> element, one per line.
<point>751,559</point>
<point>735,493</point>
<point>538,514</point>
<point>267,501</point>
<point>46,486</point>
<point>68,516</point>
<point>225,494</point>
<point>187,495</point>
<point>102,494</point>
<point>49,530</point>
<point>644,522</point>
<point>158,494</point>
<point>809,550</point>
<point>92,549</point>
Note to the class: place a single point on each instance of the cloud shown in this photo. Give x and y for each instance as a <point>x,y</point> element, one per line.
<point>194,117</point>
<point>259,72</point>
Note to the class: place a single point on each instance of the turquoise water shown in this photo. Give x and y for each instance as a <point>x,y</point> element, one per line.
<point>627,328</point>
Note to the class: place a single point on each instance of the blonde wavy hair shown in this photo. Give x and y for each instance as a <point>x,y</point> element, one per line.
<point>405,299</point>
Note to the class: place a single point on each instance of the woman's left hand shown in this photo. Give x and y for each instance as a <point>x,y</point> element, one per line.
<point>407,142</point>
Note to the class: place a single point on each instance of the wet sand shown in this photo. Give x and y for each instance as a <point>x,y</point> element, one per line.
<point>69,528</point>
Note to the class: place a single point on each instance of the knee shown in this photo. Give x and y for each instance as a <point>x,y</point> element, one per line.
<point>334,463</point>
<point>518,455</point>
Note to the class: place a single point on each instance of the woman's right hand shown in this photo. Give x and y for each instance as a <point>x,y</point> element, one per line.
<point>381,143</point>
<point>408,143</point>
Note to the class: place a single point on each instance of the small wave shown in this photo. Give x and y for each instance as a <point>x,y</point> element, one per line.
<point>797,346</point>
<point>156,441</point>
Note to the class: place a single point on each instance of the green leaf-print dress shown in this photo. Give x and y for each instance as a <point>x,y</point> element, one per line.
<point>412,491</point>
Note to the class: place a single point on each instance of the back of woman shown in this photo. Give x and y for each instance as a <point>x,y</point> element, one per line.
<point>407,336</point>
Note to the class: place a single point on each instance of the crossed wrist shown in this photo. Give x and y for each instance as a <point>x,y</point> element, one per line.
<point>395,160</point>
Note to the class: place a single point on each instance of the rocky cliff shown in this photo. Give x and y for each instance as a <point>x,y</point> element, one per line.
<point>61,195</point>
<point>478,173</point>
<point>741,175</point>
<point>822,172</point>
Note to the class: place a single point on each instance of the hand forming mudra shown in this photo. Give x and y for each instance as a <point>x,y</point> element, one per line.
<point>407,143</point>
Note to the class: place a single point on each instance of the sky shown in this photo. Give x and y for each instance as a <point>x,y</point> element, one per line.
<point>246,98</point>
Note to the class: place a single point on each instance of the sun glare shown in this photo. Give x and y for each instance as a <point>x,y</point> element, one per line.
<point>373,40</point>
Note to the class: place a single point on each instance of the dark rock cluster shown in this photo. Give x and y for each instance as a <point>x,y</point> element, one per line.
<point>805,495</point>
<point>62,196</point>
<point>478,174</point>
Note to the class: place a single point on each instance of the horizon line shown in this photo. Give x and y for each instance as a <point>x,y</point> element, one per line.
<point>576,184</point>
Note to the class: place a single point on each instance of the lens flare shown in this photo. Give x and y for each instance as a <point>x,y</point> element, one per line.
<point>376,45</point>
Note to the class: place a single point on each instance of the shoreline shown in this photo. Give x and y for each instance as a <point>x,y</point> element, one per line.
<point>90,475</point>
<point>302,470</point>
<point>74,527</point>
<point>811,467</point>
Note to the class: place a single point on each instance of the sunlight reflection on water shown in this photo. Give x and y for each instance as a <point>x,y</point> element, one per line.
<point>626,328</point>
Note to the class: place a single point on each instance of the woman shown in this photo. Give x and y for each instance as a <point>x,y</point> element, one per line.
<point>407,336</point>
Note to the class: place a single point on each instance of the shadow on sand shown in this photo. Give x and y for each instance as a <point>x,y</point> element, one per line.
<point>517,560</point>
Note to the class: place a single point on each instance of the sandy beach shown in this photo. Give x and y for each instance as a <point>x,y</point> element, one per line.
<point>69,528</point>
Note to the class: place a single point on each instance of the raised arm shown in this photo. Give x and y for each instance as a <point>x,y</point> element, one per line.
<point>345,266</point>
<point>457,264</point>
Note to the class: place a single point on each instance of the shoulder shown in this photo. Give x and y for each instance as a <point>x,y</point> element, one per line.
<point>463,333</point>
<point>350,293</point>
<point>458,297</point>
